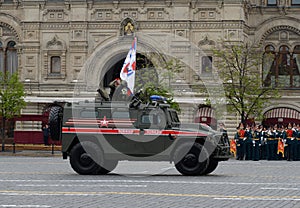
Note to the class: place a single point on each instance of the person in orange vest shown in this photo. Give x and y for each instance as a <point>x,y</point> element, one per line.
<point>240,138</point>
<point>292,143</point>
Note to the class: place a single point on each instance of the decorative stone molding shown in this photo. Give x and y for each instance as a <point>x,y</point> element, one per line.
<point>157,13</point>
<point>193,4</point>
<point>205,9</point>
<point>55,26</point>
<point>55,14</point>
<point>130,13</point>
<point>17,3</point>
<point>206,41</point>
<point>90,4</point>
<point>31,26</point>
<point>128,27</point>
<point>8,30</point>
<point>67,4</point>
<point>168,3</point>
<point>30,35</point>
<point>42,5</point>
<point>116,4</point>
<point>102,14</point>
<point>141,3</point>
<point>220,4</point>
<point>55,44</point>
<point>279,28</point>
<point>54,47</point>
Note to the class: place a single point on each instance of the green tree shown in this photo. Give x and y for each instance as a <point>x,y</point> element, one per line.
<point>239,66</point>
<point>11,99</point>
<point>155,78</point>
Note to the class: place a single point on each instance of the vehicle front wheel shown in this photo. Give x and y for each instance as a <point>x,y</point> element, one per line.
<point>86,158</point>
<point>108,166</point>
<point>191,159</point>
<point>212,165</point>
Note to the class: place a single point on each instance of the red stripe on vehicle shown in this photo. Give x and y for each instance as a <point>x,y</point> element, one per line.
<point>130,131</point>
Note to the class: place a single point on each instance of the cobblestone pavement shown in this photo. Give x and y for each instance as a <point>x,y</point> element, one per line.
<point>50,182</point>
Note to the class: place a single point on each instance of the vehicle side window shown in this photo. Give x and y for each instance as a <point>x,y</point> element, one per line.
<point>153,120</point>
<point>120,114</point>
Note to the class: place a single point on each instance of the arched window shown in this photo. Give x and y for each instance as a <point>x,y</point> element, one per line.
<point>206,65</point>
<point>281,69</point>
<point>269,59</point>
<point>11,57</point>
<point>8,57</point>
<point>296,67</point>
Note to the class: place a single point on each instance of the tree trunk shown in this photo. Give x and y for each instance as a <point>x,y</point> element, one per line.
<point>243,117</point>
<point>3,133</point>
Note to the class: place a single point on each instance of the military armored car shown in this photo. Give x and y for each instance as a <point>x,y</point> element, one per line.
<point>95,136</point>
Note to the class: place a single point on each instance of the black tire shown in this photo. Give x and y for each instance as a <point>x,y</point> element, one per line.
<point>212,165</point>
<point>189,161</point>
<point>86,158</point>
<point>109,165</point>
<point>55,122</point>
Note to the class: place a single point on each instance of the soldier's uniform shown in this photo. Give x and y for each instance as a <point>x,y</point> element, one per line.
<point>240,138</point>
<point>281,137</point>
<point>292,144</point>
<point>271,145</point>
<point>257,135</point>
<point>263,149</point>
<point>248,144</point>
<point>298,141</point>
<point>278,136</point>
<point>122,92</point>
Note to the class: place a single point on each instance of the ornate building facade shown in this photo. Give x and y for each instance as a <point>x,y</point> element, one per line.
<point>53,43</point>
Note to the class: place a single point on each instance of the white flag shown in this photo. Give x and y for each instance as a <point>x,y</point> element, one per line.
<point>128,70</point>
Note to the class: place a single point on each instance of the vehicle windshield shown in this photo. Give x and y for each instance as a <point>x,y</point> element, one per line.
<point>205,127</point>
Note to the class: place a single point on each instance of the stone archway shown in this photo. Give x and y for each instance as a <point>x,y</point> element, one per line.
<point>114,71</point>
<point>275,24</point>
<point>112,55</point>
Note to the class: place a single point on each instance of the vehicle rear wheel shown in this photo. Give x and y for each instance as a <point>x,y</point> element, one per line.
<point>191,159</point>
<point>54,120</point>
<point>212,165</point>
<point>86,158</point>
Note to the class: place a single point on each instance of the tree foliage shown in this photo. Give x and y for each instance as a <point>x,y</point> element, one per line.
<point>11,98</point>
<point>155,79</point>
<point>239,67</point>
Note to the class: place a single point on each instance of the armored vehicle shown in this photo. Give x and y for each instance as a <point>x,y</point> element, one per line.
<point>96,135</point>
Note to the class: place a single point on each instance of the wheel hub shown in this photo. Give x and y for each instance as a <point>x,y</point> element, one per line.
<point>190,160</point>
<point>85,159</point>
